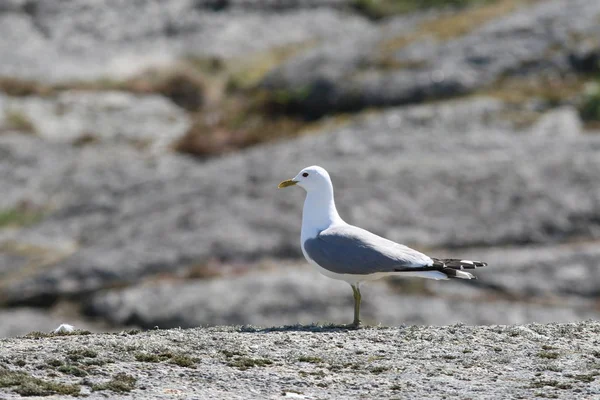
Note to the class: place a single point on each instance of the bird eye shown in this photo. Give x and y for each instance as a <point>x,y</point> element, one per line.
<point>305,174</point>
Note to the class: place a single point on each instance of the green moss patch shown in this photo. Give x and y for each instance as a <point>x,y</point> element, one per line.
<point>54,362</point>
<point>244,363</point>
<point>27,385</point>
<point>247,73</point>
<point>310,359</point>
<point>18,121</point>
<point>22,87</point>
<point>95,361</point>
<point>379,370</point>
<point>120,383</point>
<point>550,355</point>
<point>15,217</point>
<point>146,357</point>
<point>585,378</point>
<point>551,383</point>
<point>173,358</point>
<point>589,109</point>
<point>182,360</point>
<point>76,355</point>
<point>378,9</point>
<point>229,353</point>
<point>72,370</point>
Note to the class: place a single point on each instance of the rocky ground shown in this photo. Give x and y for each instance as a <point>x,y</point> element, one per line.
<point>140,149</point>
<point>559,361</point>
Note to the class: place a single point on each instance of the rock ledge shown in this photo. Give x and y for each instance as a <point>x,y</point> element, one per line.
<point>554,361</point>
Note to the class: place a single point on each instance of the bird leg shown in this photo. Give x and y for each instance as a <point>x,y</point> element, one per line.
<point>357,298</point>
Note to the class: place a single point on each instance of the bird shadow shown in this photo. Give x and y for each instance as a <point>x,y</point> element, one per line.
<point>315,328</point>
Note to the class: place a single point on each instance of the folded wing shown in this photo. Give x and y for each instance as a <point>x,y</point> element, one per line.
<point>348,249</point>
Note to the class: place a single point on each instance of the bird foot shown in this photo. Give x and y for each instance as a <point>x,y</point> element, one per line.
<point>355,325</point>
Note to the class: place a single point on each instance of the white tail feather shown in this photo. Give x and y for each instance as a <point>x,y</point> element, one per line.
<point>464,275</point>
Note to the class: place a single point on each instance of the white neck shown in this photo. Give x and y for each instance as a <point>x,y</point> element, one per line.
<point>319,212</point>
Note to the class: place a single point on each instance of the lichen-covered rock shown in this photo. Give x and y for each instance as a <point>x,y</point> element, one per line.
<point>571,269</point>
<point>87,40</point>
<point>457,361</point>
<point>292,296</point>
<point>114,216</point>
<point>543,38</point>
<point>78,117</point>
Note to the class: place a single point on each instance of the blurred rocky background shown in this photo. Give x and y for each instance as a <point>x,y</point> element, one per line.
<point>141,143</point>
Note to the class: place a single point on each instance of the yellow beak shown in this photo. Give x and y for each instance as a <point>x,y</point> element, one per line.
<point>289,182</point>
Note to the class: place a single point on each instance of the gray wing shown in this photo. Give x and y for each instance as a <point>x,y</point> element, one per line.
<point>348,249</point>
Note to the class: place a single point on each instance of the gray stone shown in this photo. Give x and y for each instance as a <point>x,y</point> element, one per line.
<point>116,117</point>
<point>571,269</point>
<point>528,361</point>
<point>292,296</point>
<point>114,216</point>
<point>12,5</point>
<point>536,40</point>
<point>563,121</point>
<point>90,39</point>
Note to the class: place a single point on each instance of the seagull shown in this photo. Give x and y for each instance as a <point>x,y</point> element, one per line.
<point>346,252</point>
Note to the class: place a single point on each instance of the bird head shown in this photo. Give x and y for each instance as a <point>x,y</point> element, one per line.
<point>310,178</point>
